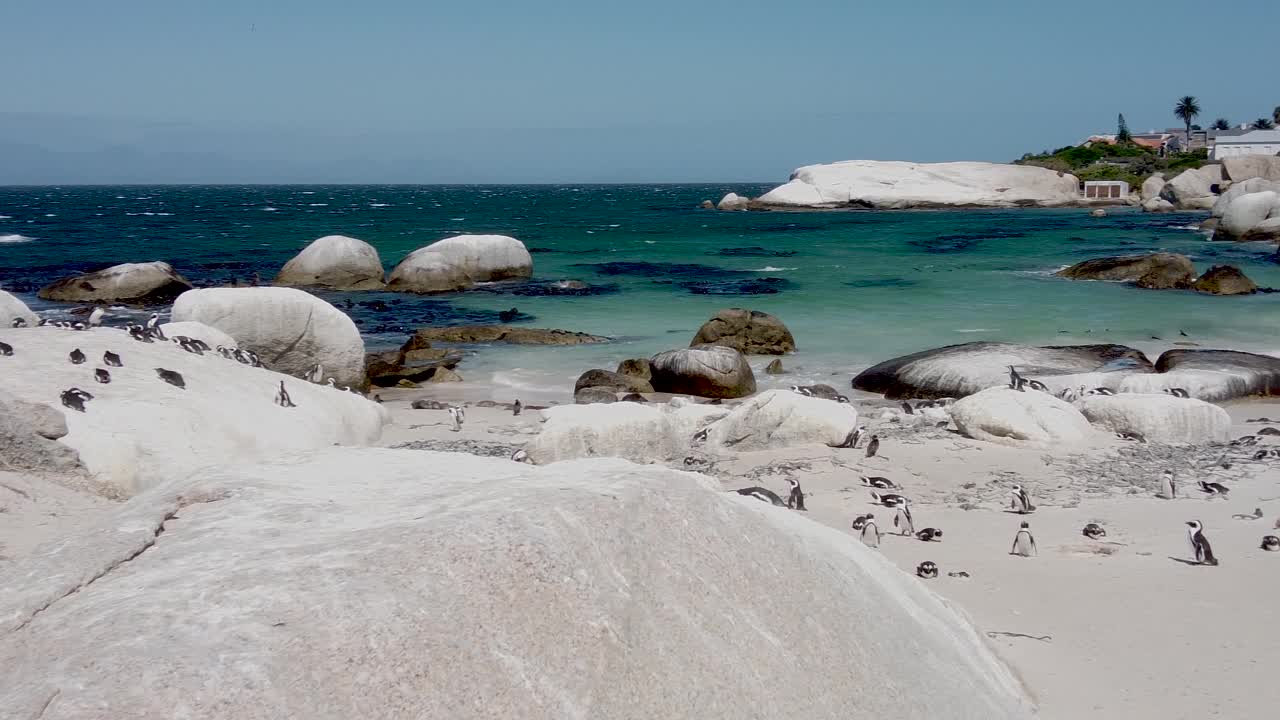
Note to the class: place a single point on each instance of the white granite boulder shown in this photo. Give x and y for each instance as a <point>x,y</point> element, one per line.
<point>713,371</point>
<point>901,185</point>
<point>1020,419</point>
<point>379,584</point>
<point>11,308</point>
<point>132,283</point>
<point>1246,167</point>
<point>1158,418</point>
<point>640,432</point>
<point>28,437</point>
<point>1243,216</point>
<point>1152,186</point>
<point>1210,375</point>
<point>1193,189</point>
<point>1157,205</point>
<point>459,262</point>
<point>1244,187</point>
<point>289,329</point>
<point>334,261</point>
<point>733,201</point>
<point>781,419</point>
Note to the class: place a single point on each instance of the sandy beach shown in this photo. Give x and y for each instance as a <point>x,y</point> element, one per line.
<point>1118,628</point>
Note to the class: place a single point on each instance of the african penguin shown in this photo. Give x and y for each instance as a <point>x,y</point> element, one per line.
<point>929,535</point>
<point>282,397</point>
<point>95,317</point>
<point>72,400</point>
<point>102,376</point>
<point>458,415</point>
<point>172,377</point>
<point>1271,543</point>
<point>76,356</point>
<point>6,349</point>
<point>873,446</point>
<point>906,408</point>
<point>517,407</point>
<point>796,499</point>
<point>888,500</point>
<point>1213,488</point>
<point>1200,544</point>
<point>882,483</point>
<point>519,456</point>
<point>1037,385</point>
<point>1020,501</point>
<point>1024,543</point>
<point>870,533</point>
<point>927,570</point>
<point>762,494</point>
<point>1168,488</point>
<point>902,519</point>
<point>1015,380</point>
<point>1177,392</point>
<point>851,440</point>
<point>18,323</point>
<point>1245,441</point>
<point>1093,531</point>
<point>111,359</point>
<point>859,521</point>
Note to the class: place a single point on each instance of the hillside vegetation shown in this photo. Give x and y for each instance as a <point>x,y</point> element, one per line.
<point>1124,161</point>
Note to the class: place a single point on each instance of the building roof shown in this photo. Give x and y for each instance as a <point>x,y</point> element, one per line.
<point>1249,138</point>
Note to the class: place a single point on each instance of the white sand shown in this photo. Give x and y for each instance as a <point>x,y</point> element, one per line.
<point>1115,629</point>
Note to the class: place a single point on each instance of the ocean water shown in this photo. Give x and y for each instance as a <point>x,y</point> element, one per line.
<point>854,287</point>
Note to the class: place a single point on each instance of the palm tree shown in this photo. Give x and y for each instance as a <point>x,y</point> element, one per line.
<point>1186,110</point>
<point>1263,124</point>
<point>1221,124</point>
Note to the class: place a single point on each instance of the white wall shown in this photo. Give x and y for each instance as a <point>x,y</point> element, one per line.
<point>1222,151</point>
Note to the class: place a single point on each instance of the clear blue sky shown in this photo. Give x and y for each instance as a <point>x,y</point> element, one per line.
<point>593,90</point>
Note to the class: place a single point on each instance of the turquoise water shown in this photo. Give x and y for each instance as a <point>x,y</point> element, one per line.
<point>854,287</point>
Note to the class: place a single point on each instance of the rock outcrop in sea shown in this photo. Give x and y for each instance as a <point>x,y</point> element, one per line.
<point>750,332</point>
<point>131,283</point>
<point>459,262</point>
<point>336,262</point>
<point>903,185</point>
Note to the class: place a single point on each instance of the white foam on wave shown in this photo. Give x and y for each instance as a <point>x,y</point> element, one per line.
<point>5,217</point>
<point>974,330</point>
<point>770,268</point>
<point>12,239</point>
<point>319,205</point>
<point>379,205</point>
<point>269,209</point>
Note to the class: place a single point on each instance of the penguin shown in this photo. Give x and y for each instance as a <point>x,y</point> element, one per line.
<point>929,535</point>
<point>6,349</point>
<point>1245,441</point>
<point>1200,544</point>
<point>927,570</point>
<point>153,326</point>
<point>701,435</point>
<point>172,377</point>
<point>873,446</point>
<point>1255,515</point>
<point>802,390</point>
<point>902,519</point>
<point>795,500</point>
<point>1015,380</point>
<point>1024,543</point>
<point>851,440</point>
<point>332,383</point>
<point>1101,391</point>
<point>282,397</point>
<point>517,407</point>
<point>76,356</point>
<point>1093,531</point>
<point>458,415</point>
<point>1271,543</point>
<point>519,456</point>
<point>1264,454</point>
<point>882,483</point>
<point>78,326</point>
<point>888,500</point>
<point>377,398</point>
<point>82,394</point>
<point>1213,488</point>
<point>870,533</point>
<point>225,352</point>
<point>1168,488</point>
<point>1067,395</point>
<point>1021,502</point>
<point>1177,392</point>
<point>316,374</point>
<point>18,323</point>
<point>1037,385</point>
<point>186,344</point>
<point>95,317</point>
<point>138,333</point>
<point>762,494</point>
<point>102,376</point>
<point>1132,436</point>
<point>111,359</point>
<point>72,400</point>
<point>906,408</point>
<point>859,521</point>
<point>199,344</point>
<point>842,399</point>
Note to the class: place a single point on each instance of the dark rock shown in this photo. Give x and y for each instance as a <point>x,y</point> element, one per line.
<point>960,370</point>
<point>753,251</point>
<point>389,369</point>
<point>1159,270</point>
<point>775,367</point>
<point>429,405</point>
<point>750,286</point>
<point>750,332</point>
<point>470,334</point>
<point>1231,374</point>
<point>1224,280</point>
<point>635,367</point>
<point>593,395</point>
<point>131,283</point>
<point>712,371</point>
<point>634,397</point>
<point>614,382</point>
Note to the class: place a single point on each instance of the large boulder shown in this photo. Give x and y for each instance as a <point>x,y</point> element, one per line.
<point>733,201</point>
<point>612,381</point>
<point>1157,205</point>
<point>712,371</point>
<point>1211,375</point>
<point>130,283</point>
<point>780,419</point>
<point>509,334</point>
<point>1157,269</point>
<point>459,262</point>
<point>643,433</point>
<point>901,185</point>
<point>636,367</point>
<point>1246,167</point>
<point>1224,280</point>
<point>443,585</point>
<point>389,369</point>
<point>28,437</point>
<point>1246,212</point>
<point>138,431</point>
<point>1020,419</point>
<point>1152,186</point>
<point>289,329</point>
<point>1247,187</point>
<point>11,308</point>
<point>1193,189</point>
<point>750,332</point>
<point>959,370</point>
<point>211,336</point>
<point>337,262</point>
<point>1158,418</point>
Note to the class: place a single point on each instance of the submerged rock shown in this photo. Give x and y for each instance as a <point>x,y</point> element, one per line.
<point>1020,419</point>
<point>775,367</point>
<point>1224,280</point>
<point>130,283</point>
<point>960,370</point>
<point>334,261</point>
<point>1158,418</point>
<point>510,334</point>
<point>459,262</point>
<point>711,371</point>
<point>1155,269</point>
<point>750,332</point>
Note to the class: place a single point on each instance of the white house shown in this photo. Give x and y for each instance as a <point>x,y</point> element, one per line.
<point>1258,142</point>
<point>1106,190</point>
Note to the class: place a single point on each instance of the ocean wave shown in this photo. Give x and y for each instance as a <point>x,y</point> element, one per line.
<point>770,268</point>
<point>6,217</point>
<point>319,205</point>
<point>270,209</point>
<point>11,239</point>
<point>974,330</point>
<point>379,205</point>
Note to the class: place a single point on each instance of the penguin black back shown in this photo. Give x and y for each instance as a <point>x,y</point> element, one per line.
<point>172,377</point>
